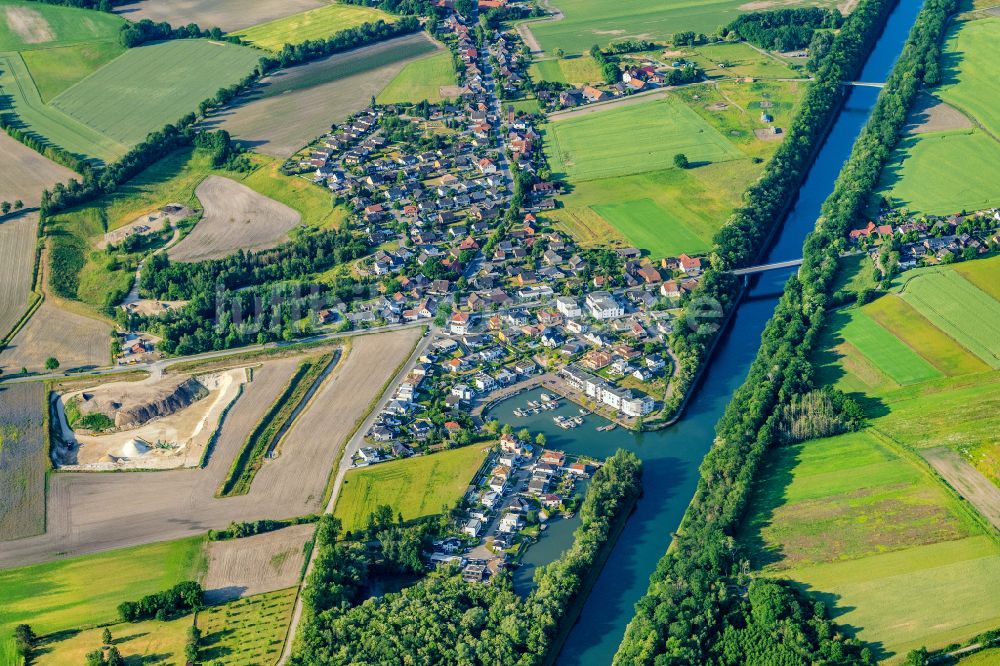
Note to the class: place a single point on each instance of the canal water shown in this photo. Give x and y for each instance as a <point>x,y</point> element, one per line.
<point>671,456</point>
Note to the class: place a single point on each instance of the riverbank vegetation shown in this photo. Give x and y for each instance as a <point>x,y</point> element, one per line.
<point>692,612</point>
<point>442,619</point>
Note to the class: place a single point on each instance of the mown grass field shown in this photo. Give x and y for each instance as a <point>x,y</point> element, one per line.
<point>69,594</point>
<point>46,121</point>
<point>151,643</point>
<point>941,173</point>
<point>626,140</point>
<point>968,69</point>
<point>882,348</point>
<point>246,632</point>
<point>575,70</point>
<point>55,70</point>
<point>739,59</point>
<point>873,534</point>
<point>318,23</point>
<point>688,207</point>
<point>959,308</point>
<point>420,80</point>
<point>34,25</point>
<point>589,22</point>
<point>152,85</point>
<point>414,487</point>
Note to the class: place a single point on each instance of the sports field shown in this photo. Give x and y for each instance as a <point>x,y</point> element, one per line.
<point>86,590</point>
<point>589,22</point>
<point>941,173</point>
<point>869,530</point>
<point>960,309</point>
<point>969,78</point>
<point>153,85</point>
<point>34,25</point>
<point>318,23</point>
<point>414,487</point>
<point>612,143</point>
<point>420,80</point>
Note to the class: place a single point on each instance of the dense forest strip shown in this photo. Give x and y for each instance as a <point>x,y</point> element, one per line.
<point>265,435</point>
<point>701,606</point>
<point>765,204</point>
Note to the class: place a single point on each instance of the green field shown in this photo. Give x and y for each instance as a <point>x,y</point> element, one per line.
<point>883,348</point>
<point>151,643</point>
<point>34,25</point>
<point>969,79</point>
<point>687,204</point>
<point>55,70</point>
<point>48,122</point>
<point>153,85</point>
<point>959,308</point>
<point>941,173</point>
<point>740,59</point>
<point>82,591</point>
<point>589,22</point>
<point>630,139</point>
<point>869,530</point>
<point>983,274</point>
<point>246,632</point>
<point>420,80</point>
<point>414,487</point>
<point>574,70</point>
<point>317,23</point>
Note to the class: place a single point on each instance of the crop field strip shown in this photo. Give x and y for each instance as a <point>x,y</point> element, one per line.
<point>255,564</point>
<point>228,15</point>
<point>413,487</point>
<point>18,238</point>
<point>983,274</point>
<point>150,86</point>
<point>885,350</point>
<point>420,80</point>
<point>292,107</point>
<point>77,341</point>
<point>318,23</point>
<point>23,460</point>
<point>960,309</point>
<point>248,632</point>
<point>56,69</point>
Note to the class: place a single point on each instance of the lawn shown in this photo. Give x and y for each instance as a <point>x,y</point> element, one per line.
<point>882,348</point>
<point>958,308</point>
<point>150,86</point>
<point>575,70</point>
<point>246,632</point>
<point>941,173</point>
<point>871,533</point>
<point>969,78</point>
<point>632,139</point>
<point>68,594</point>
<point>420,80</point>
<point>55,70</point>
<point>589,22</point>
<point>414,487</point>
<point>42,26</point>
<point>147,643</point>
<point>685,207</point>
<point>48,122</point>
<point>317,23</point>
<point>740,60</point>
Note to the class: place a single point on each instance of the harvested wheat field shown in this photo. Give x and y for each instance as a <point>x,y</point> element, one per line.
<point>930,114</point>
<point>310,448</point>
<point>294,106</point>
<point>25,173</point>
<point>226,14</point>
<point>22,460</point>
<point>235,218</point>
<point>256,564</point>
<point>74,340</point>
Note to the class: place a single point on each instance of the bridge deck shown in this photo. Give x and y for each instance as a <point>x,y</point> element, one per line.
<point>750,270</point>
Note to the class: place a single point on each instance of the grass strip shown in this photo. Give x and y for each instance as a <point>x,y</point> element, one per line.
<point>263,436</point>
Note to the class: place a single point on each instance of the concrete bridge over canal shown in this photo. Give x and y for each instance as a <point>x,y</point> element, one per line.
<point>752,270</point>
<point>864,84</point>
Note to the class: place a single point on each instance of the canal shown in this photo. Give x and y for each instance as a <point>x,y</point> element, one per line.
<point>672,456</point>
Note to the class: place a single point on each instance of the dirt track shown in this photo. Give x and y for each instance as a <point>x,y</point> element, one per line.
<point>261,563</point>
<point>93,512</point>
<point>226,14</point>
<point>967,480</point>
<point>235,218</point>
